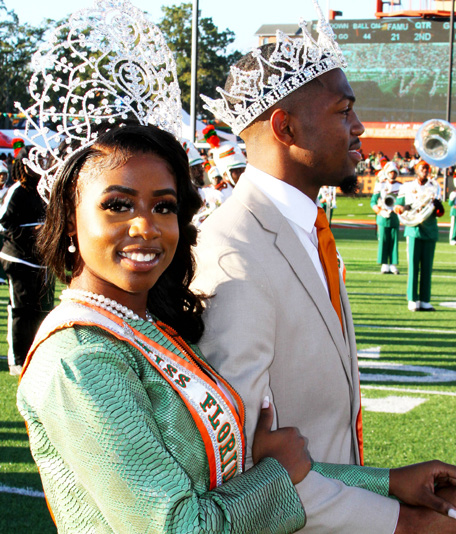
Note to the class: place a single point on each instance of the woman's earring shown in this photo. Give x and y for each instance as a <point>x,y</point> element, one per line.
<point>71,248</point>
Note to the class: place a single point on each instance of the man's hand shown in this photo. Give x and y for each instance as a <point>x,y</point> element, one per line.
<point>399,209</point>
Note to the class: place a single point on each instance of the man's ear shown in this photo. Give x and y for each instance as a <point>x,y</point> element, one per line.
<point>280,126</point>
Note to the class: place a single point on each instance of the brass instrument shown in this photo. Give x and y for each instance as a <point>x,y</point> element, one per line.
<point>420,209</point>
<point>387,205</point>
<point>435,142</point>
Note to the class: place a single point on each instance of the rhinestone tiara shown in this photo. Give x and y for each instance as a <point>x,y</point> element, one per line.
<point>107,63</point>
<point>295,62</point>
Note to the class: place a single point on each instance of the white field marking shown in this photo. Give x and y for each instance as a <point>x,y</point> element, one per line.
<point>375,273</point>
<point>377,294</point>
<point>431,374</point>
<point>408,390</point>
<point>405,329</point>
<point>448,304</point>
<point>4,301</point>
<point>3,357</point>
<point>374,244</point>
<point>392,404</point>
<point>372,352</point>
<point>21,491</point>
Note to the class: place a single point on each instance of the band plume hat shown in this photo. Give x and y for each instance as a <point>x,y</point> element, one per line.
<point>194,157</point>
<point>292,64</point>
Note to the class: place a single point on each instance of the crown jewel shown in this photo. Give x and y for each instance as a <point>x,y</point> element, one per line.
<point>294,62</point>
<point>109,63</point>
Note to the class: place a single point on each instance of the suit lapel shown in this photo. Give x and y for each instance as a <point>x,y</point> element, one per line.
<point>293,251</point>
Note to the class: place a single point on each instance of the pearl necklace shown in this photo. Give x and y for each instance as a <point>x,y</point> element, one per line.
<point>106,303</point>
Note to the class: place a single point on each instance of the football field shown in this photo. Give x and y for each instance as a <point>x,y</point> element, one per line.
<point>407,363</point>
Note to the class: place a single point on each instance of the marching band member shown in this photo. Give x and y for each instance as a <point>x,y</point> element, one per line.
<point>228,158</point>
<point>231,162</point>
<point>421,239</point>
<point>387,220</point>
<point>218,183</point>
<point>327,199</point>
<point>195,162</point>
<point>452,202</point>
<point>211,198</point>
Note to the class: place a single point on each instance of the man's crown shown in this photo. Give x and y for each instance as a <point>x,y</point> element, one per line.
<point>294,62</point>
<point>108,63</point>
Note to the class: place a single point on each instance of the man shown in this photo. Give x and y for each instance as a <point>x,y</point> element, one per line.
<point>218,183</point>
<point>382,202</point>
<point>229,158</point>
<point>452,203</point>
<point>271,327</point>
<point>327,199</point>
<point>195,162</point>
<point>421,238</point>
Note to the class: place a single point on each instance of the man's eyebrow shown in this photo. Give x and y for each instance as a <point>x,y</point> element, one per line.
<point>347,96</point>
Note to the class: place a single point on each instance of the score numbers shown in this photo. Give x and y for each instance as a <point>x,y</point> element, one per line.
<point>401,30</point>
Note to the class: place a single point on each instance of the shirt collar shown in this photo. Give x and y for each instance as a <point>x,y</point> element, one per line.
<point>292,203</point>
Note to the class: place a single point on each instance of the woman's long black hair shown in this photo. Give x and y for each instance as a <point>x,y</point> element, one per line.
<point>171,299</point>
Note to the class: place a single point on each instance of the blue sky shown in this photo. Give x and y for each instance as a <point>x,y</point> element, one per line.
<point>241,16</point>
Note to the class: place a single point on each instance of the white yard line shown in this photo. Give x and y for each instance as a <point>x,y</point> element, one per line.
<point>21,491</point>
<point>407,390</point>
<point>376,294</point>
<point>406,329</point>
<point>450,277</point>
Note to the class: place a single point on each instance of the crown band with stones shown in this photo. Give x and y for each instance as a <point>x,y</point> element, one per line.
<point>305,59</point>
<point>108,63</point>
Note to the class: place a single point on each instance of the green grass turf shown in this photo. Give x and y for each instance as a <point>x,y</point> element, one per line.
<point>377,301</point>
<point>379,306</point>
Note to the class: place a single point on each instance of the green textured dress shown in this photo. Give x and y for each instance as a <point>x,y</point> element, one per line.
<point>118,450</point>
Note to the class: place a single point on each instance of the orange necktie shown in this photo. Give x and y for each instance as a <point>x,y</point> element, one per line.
<point>328,257</point>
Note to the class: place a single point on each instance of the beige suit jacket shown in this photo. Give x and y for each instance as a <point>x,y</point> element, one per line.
<point>271,330</point>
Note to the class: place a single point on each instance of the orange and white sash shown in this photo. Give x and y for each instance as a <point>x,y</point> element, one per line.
<point>214,411</point>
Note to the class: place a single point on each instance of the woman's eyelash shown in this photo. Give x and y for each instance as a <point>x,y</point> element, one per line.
<point>167,206</point>
<point>124,204</point>
<point>117,204</point>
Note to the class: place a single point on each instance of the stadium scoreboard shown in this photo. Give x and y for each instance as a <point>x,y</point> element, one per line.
<point>400,30</point>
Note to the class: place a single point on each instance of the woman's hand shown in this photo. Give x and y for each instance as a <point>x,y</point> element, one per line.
<point>286,445</point>
<point>417,485</point>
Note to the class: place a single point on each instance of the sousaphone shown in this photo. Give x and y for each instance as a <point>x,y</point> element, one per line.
<point>435,142</point>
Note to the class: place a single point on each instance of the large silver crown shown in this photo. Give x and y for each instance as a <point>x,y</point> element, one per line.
<point>294,62</point>
<point>109,63</point>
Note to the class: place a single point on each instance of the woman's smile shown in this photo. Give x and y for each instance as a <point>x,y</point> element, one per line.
<point>140,258</point>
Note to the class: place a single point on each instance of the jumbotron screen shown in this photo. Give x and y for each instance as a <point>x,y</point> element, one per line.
<point>398,68</point>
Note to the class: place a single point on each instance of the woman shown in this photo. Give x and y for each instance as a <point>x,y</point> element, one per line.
<point>118,444</point>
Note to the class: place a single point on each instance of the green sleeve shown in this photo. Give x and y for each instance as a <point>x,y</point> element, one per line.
<point>400,201</point>
<point>373,479</point>
<point>374,199</point>
<point>103,440</point>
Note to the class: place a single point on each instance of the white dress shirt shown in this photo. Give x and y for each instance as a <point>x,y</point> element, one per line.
<point>299,210</point>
